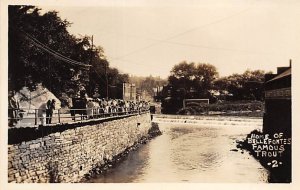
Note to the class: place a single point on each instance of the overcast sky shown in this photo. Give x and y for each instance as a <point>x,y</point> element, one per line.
<point>148,37</point>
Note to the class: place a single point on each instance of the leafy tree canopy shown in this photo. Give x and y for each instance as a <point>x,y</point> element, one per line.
<point>147,84</point>
<point>246,86</point>
<point>193,78</point>
<point>31,32</point>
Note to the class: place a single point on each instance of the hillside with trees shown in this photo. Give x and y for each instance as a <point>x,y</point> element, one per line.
<point>245,86</point>
<point>193,80</point>
<point>147,84</point>
<point>41,50</point>
<point>202,81</point>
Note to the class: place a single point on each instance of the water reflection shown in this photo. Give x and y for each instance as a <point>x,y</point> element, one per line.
<point>189,153</point>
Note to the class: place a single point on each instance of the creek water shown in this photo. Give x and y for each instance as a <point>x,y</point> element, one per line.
<point>189,153</point>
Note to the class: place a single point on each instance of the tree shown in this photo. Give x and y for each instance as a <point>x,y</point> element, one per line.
<point>147,84</point>
<point>30,63</point>
<point>246,86</point>
<point>205,75</point>
<point>150,83</point>
<point>32,33</point>
<point>193,80</point>
<point>254,84</point>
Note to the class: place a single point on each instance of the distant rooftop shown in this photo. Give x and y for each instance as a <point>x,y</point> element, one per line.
<point>282,75</point>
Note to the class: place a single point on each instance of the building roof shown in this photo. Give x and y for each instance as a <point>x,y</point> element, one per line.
<point>282,75</point>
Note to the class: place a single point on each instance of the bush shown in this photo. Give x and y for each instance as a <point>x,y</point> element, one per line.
<point>223,107</point>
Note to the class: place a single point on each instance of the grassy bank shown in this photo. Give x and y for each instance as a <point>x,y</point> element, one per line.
<point>239,108</point>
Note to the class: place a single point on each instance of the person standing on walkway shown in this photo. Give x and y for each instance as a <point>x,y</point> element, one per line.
<point>13,109</point>
<point>90,109</point>
<point>41,113</point>
<point>49,110</point>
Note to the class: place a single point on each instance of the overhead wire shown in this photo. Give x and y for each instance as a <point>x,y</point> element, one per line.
<point>214,48</point>
<point>105,81</point>
<point>57,55</point>
<point>182,33</point>
<point>52,52</point>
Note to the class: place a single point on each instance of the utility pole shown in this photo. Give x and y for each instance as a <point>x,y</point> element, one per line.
<point>106,65</point>
<point>130,91</point>
<point>123,93</point>
<point>92,49</point>
<point>91,61</point>
<point>49,66</point>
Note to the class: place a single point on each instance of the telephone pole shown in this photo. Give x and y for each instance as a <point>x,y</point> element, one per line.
<point>91,61</point>
<point>92,48</point>
<point>106,65</point>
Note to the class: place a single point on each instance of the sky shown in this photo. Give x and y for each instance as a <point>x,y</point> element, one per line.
<point>149,37</point>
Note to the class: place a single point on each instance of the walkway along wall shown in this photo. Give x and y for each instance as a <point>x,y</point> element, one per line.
<point>67,155</point>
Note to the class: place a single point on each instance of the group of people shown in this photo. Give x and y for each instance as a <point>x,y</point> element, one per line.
<point>101,107</point>
<point>46,109</point>
<point>88,108</point>
<point>15,114</point>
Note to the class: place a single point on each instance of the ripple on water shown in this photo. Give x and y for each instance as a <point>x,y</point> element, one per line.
<point>190,153</point>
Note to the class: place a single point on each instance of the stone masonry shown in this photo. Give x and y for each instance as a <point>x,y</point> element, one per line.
<point>67,156</point>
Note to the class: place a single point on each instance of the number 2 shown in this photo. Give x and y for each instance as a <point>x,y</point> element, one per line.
<point>274,164</point>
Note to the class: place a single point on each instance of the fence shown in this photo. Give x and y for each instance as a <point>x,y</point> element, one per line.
<point>35,117</point>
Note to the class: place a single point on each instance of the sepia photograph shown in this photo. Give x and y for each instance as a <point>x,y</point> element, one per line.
<point>115,92</point>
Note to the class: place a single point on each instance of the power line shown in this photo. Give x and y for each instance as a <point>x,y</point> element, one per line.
<point>52,52</point>
<point>56,54</point>
<point>214,48</point>
<point>182,33</point>
<point>124,61</point>
<point>191,45</point>
<point>105,81</point>
<point>99,75</point>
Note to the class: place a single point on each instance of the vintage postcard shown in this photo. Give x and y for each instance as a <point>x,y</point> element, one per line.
<point>140,94</point>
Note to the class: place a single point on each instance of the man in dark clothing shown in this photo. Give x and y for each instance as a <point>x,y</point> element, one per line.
<point>13,109</point>
<point>49,110</point>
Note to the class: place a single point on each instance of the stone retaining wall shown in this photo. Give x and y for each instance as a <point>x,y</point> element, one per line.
<point>68,155</point>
